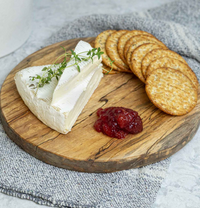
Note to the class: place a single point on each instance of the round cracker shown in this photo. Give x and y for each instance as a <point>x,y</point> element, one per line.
<point>131,41</point>
<point>140,40</point>
<point>159,53</point>
<point>171,91</point>
<point>111,49</point>
<point>174,64</point>
<point>124,38</point>
<point>100,42</point>
<point>137,56</point>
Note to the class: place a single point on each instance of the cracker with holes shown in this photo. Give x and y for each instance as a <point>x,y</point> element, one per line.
<point>111,49</point>
<point>171,91</point>
<point>125,37</point>
<point>159,53</point>
<point>100,42</point>
<point>140,40</point>
<point>174,64</point>
<point>137,56</point>
<point>132,41</point>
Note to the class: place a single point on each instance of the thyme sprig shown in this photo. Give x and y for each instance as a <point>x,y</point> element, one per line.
<point>111,66</point>
<point>56,69</point>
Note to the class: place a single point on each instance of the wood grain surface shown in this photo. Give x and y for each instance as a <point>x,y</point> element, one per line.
<point>84,149</point>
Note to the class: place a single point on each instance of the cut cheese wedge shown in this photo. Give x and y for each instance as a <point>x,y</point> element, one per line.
<point>63,114</point>
<point>71,77</point>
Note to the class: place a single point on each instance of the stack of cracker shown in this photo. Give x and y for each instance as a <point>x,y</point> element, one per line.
<point>170,83</point>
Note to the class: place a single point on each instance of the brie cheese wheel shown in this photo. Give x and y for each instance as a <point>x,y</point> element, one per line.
<point>70,96</point>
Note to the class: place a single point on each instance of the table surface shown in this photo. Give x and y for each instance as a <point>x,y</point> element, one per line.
<point>181,187</point>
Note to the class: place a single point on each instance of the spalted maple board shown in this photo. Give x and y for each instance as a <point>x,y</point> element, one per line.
<point>84,149</point>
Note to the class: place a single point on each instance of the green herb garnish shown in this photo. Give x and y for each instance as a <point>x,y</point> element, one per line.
<point>111,66</point>
<point>56,69</point>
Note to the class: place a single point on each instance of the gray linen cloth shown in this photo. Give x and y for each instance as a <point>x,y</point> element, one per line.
<point>178,26</point>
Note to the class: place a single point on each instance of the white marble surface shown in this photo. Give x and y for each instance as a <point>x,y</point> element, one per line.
<point>181,188</point>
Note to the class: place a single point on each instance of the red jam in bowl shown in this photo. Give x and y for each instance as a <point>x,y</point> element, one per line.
<point>118,122</point>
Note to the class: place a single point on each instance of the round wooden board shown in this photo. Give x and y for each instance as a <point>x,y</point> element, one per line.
<point>83,149</point>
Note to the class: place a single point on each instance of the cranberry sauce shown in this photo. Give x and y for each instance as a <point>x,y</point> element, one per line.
<point>118,122</point>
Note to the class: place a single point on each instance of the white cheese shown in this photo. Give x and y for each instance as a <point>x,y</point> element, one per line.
<point>68,106</point>
<point>71,77</point>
